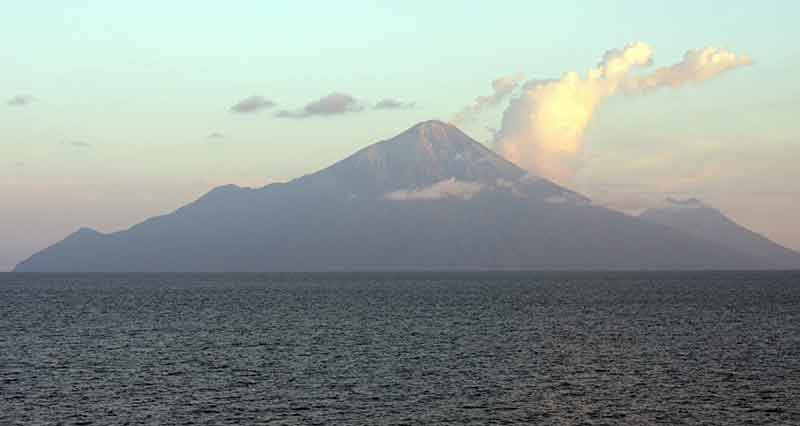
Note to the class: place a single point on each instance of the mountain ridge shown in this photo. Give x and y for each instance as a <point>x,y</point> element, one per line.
<point>703,221</point>
<point>430,198</point>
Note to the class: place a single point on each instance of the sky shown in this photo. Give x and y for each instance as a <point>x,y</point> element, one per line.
<point>114,112</point>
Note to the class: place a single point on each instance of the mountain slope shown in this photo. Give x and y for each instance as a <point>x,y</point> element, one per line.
<point>428,153</point>
<point>430,198</point>
<point>696,218</point>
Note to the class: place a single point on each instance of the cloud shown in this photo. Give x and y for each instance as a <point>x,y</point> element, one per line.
<point>77,144</point>
<point>20,100</point>
<point>503,87</point>
<point>511,187</point>
<point>446,189</point>
<point>542,129</point>
<point>391,103</point>
<point>215,135</point>
<point>336,103</point>
<point>568,198</point>
<point>688,202</point>
<point>251,104</point>
<point>697,66</point>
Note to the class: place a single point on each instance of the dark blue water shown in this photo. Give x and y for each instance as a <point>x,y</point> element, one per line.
<point>619,348</point>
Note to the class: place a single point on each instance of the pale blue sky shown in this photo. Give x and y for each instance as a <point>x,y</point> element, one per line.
<point>144,83</point>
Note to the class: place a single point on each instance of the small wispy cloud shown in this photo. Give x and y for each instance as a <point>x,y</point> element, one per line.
<point>20,100</point>
<point>336,103</point>
<point>77,144</point>
<point>393,104</point>
<point>215,135</point>
<point>503,87</point>
<point>251,104</point>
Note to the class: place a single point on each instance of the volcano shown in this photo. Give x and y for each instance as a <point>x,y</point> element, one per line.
<point>431,198</point>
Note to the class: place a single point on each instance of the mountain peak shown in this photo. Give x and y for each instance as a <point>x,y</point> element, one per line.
<point>433,129</point>
<point>432,124</point>
<point>86,232</point>
<point>434,132</point>
<point>427,153</point>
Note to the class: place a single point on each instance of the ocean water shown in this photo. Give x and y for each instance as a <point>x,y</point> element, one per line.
<point>401,349</point>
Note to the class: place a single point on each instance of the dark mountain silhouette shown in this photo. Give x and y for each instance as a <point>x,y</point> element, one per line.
<point>696,218</point>
<point>430,198</point>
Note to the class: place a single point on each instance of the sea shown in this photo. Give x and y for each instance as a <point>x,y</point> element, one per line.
<point>482,348</point>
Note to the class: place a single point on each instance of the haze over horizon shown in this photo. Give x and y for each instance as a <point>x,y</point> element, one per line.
<point>110,115</point>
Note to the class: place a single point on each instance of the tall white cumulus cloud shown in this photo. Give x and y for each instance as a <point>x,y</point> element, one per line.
<point>542,128</point>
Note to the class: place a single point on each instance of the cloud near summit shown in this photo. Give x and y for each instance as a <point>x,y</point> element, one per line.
<point>543,126</point>
<point>446,189</point>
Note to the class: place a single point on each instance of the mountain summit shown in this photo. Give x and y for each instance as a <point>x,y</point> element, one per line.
<point>431,198</point>
<point>430,152</point>
<point>433,158</point>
